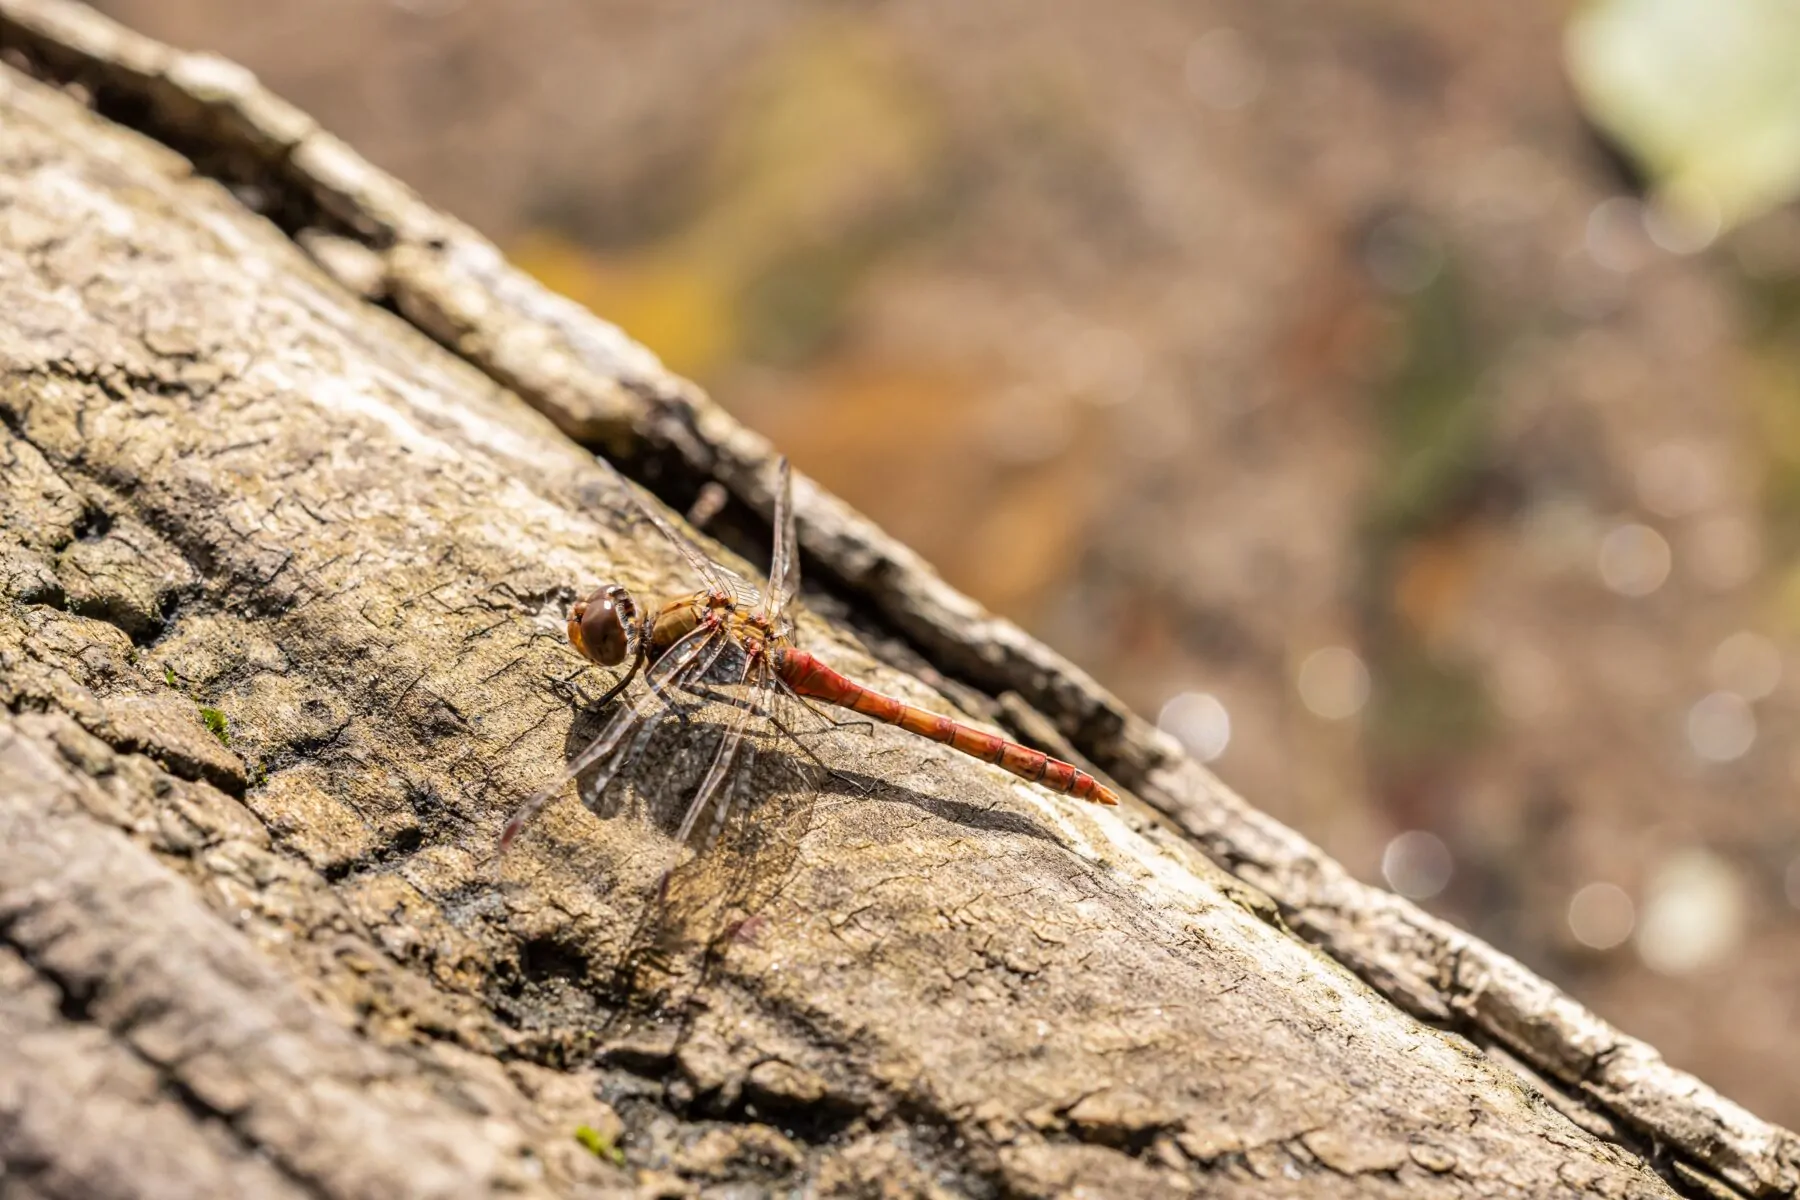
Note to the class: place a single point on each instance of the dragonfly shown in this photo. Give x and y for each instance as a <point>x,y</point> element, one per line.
<point>732,710</point>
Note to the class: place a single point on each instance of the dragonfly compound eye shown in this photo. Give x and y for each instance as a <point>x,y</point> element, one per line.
<point>601,626</point>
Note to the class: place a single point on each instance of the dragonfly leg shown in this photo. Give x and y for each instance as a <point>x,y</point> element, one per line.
<point>858,785</point>
<point>613,691</point>
<point>665,689</point>
<point>860,722</point>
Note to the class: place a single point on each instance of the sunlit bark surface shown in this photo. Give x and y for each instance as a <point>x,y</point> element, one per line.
<point>280,581</point>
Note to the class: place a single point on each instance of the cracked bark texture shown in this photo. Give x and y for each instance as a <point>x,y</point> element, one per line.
<point>282,580</point>
<point>381,242</point>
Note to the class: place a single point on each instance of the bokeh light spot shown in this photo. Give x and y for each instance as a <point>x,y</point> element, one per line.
<point>1721,727</point>
<point>1334,683</point>
<point>1746,663</point>
<point>1417,864</point>
<point>1693,913</point>
<point>1615,234</point>
<point>1199,721</point>
<point>1676,479</point>
<point>1683,220</point>
<point>1634,560</point>
<point>1601,916</point>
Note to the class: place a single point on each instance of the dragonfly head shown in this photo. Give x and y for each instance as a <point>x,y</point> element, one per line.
<point>604,627</point>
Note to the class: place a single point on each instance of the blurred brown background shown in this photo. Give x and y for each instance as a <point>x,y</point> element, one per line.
<point>1312,374</point>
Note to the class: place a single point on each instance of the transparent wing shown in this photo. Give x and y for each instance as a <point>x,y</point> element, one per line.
<point>784,559</point>
<point>721,779</point>
<point>658,715</point>
<point>716,577</point>
<point>625,731</point>
<point>746,818</point>
<point>675,752</point>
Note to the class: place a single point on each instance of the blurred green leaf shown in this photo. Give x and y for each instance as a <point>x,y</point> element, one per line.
<point>1705,94</point>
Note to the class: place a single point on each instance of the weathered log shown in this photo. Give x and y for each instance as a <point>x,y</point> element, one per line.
<point>275,956</point>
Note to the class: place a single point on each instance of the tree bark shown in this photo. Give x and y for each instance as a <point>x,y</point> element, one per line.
<point>282,578</point>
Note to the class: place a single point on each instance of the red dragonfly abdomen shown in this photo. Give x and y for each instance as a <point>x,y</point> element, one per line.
<point>811,678</point>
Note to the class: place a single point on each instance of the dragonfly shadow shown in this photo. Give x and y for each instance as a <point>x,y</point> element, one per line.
<point>846,784</point>
<point>699,899</point>
<point>694,896</point>
<point>853,786</point>
<point>768,823</point>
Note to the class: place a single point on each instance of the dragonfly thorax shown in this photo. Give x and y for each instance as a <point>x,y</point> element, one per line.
<point>678,618</point>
